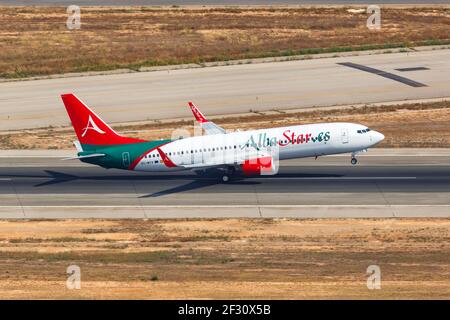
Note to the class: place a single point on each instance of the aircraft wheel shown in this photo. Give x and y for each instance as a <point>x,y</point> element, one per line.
<point>354,161</point>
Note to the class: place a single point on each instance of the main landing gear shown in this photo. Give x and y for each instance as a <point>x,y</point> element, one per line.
<point>229,172</point>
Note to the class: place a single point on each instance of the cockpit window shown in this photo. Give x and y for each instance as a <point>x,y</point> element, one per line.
<point>364,130</point>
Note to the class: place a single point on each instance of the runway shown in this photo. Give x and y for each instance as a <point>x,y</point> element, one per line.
<point>231,89</point>
<point>386,184</point>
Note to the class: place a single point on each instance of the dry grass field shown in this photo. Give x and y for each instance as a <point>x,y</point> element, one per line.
<point>35,40</point>
<point>422,125</point>
<point>232,258</point>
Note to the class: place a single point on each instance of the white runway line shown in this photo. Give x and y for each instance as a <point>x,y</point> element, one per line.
<point>344,178</point>
<point>235,206</point>
<point>2,179</point>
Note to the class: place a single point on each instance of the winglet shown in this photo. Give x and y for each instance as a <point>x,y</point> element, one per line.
<point>197,114</point>
<point>169,163</point>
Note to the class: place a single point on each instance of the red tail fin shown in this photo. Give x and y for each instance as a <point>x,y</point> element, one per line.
<point>90,129</point>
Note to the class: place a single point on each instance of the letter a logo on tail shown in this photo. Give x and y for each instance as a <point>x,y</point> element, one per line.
<point>93,126</point>
<point>78,113</point>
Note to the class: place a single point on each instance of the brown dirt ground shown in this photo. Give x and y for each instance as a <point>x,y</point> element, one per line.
<point>232,258</point>
<point>413,125</point>
<point>35,40</point>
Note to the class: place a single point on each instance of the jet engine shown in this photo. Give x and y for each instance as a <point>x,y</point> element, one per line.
<point>259,166</point>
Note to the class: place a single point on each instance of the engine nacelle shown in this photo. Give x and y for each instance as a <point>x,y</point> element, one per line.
<point>259,166</point>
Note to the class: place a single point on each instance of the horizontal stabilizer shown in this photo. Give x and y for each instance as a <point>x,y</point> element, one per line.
<point>77,145</point>
<point>94,155</point>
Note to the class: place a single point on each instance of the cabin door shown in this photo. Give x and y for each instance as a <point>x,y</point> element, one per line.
<point>126,159</point>
<point>344,135</point>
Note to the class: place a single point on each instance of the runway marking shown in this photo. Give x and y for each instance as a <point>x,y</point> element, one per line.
<point>344,178</point>
<point>384,74</point>
<point>412,69</point>
<point>275,177</point>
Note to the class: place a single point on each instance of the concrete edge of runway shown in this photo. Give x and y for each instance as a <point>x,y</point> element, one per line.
<point>218,212</point>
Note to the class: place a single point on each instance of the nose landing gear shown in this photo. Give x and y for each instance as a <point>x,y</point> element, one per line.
<point>354,161</point>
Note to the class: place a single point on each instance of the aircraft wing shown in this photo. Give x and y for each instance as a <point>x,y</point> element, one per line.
<point>209,126</point>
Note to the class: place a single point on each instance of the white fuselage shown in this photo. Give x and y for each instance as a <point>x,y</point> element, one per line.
<point>283,143</point>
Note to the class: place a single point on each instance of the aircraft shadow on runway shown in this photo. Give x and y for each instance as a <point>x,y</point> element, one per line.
<point>196,184</point>
<point>197,181</point>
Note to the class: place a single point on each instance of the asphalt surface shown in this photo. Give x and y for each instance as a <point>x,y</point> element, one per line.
<point>229,89</point>
<point>380,186</point>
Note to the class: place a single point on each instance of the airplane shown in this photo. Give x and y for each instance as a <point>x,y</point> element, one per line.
<point>240,153</point>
